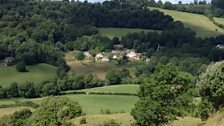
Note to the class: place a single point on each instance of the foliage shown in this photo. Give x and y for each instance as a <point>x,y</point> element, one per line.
<point>21,67</point>
<point>80,56</point>
<point>116,76</point>
<point>19,118</point>
<point>205,109</point>
<point>218,3</point>
<point>166,95</point>
<point>54,111</point>
<point>93,43</point>
<point>211,84</point>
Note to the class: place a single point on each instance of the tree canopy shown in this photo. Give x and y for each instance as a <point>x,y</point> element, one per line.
<point>164,97</point>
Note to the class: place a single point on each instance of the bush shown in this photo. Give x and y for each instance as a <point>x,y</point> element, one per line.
<point>83,120</point>
<point>80,56</point>
<point>21,67</point>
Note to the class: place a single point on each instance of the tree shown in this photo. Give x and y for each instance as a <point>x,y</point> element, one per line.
<point>113,78</point>
<point>211,84</point>
<point>13,90</point>
<point>54,111</point>
<point>27,90</point>
<point>50,89</point>
<point>21,67</point>
<point>164,97</point>
<point>218,3</point>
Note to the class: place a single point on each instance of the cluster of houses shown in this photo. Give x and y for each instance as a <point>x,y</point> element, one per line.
<point>131,55</point>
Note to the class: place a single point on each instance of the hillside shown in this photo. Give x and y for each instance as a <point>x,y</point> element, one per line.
<point>199,23</point>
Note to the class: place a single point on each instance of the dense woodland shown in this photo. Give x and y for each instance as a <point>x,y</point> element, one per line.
<point>35,32</point>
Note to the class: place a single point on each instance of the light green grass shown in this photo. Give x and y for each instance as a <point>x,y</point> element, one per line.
<point>119,32</point>
<point>219,20</point>
<point>36,74</point>
<point>92,104</point>
<point>199,23</point>
<point>129,88</point>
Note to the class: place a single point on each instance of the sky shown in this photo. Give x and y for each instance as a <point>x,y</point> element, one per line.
<point>173,1</point>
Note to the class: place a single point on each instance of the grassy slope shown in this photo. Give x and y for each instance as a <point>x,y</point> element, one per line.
<point>36,74</point>
<point>129,88</point>
<point>119,32</point>
<point>126,120</point>
<point>219,20</point>
<point>199,23</point>
<point>94,120</point>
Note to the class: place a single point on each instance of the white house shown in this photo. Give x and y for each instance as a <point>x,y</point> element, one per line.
<point>132,55</point>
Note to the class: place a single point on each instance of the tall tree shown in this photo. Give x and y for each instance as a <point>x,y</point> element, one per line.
<point>163,97</point>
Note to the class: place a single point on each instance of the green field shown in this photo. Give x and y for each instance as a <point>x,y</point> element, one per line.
<point>219,20</point>
<point>199,23</point>
<point>129,88</point>
<point>119,32</point>
<point>92,104</point>
<point>36,74</point>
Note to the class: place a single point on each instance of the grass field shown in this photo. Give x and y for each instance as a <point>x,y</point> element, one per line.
<point>219,20</point>
<point>93,104</point>
<point>129,88</point>
<point>199,23</point>
<point>36,74</point>
<point>119,32</point>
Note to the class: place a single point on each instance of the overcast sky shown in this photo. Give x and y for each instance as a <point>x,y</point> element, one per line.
<point>173,1</point>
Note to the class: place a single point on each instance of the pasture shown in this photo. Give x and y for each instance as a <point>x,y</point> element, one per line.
<point>128,88</point>
<point>219,20</point>
<point>36,73</point>
<point>120,32</point>
<point>198,23</point>
<point>93,104</point>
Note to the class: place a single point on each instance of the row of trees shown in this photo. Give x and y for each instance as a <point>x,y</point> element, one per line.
<point>176,42</point>
<point>31,90</point>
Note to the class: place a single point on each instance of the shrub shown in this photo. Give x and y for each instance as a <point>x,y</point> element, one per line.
<point>21,67</point>
<point>80,56</point>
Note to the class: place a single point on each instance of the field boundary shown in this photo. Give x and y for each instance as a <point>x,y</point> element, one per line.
<point>97,93</point>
